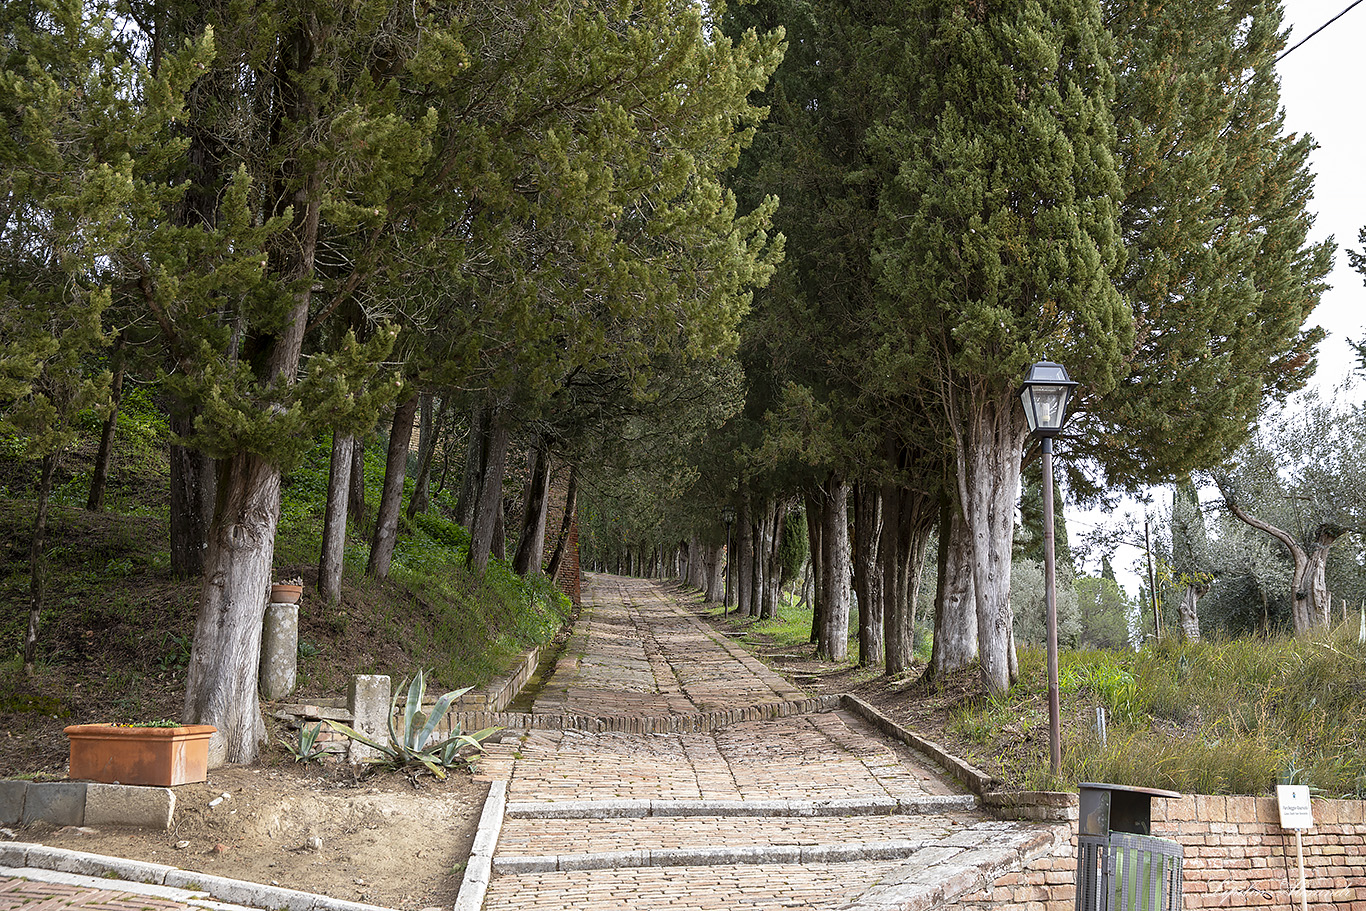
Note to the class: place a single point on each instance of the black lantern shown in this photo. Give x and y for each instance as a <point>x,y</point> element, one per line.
<point>1045,395</point>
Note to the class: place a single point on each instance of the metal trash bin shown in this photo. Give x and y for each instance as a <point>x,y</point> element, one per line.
<point>1120,865</point>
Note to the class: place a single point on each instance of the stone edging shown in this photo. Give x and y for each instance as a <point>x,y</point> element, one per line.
<point>21,858</point>
<point>640,809</point>
<point>707,857</point>
<point>479,869</point>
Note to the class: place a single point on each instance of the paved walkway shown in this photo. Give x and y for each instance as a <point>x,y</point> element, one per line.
<point>808,810</point>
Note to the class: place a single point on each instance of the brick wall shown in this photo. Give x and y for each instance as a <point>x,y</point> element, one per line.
<point>1237,856</point>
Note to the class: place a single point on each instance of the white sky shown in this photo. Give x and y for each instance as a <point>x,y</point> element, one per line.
<point>1321,91</point>
<point>1322,86</point>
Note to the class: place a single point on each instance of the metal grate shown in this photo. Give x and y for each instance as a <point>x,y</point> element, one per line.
<point>1125,872</point>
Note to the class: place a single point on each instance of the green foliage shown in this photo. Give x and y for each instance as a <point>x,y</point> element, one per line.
<point>1215,220</point>
<point>795,546</point>
<point>411,744</point>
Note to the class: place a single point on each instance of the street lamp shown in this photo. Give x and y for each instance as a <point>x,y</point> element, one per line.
<point>727,516</point>
<point>1045,394</point>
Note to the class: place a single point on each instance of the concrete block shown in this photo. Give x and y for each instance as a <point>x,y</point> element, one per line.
<point>127,805</point>
<point>61,803</point>
<point>604,860</point>
<point>103,867</point>
<point>14,853</point>
<point>12,795</point>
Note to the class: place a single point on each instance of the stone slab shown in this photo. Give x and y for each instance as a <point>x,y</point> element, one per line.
<point>127,805</point>
<point>61,803</point>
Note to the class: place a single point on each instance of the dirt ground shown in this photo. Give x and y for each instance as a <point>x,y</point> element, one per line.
<point>384,839</point>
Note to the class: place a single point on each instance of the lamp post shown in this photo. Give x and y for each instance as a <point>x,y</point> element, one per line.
<point>1045,394</point>
<point>727,516</point>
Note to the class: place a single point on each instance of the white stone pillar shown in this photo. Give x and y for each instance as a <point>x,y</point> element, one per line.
<point>279,651</point>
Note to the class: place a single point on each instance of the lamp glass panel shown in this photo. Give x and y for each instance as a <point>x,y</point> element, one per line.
<point>1049,402</point>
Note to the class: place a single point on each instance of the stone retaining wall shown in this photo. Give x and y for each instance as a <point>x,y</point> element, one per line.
<point>1237,856</point>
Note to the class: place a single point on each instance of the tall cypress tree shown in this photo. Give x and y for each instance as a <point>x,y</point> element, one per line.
<point>1215,221</point>
<point>998,238</point>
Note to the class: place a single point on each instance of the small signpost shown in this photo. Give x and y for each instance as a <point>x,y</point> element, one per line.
<point>1297,814</point>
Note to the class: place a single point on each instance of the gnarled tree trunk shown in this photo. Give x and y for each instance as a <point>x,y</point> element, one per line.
<point>333,551</point>
<point>833,644</point>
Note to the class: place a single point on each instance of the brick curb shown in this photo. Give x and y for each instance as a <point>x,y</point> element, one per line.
<point>36,862</point>
<point>691,723</point>
<point>639,809</point>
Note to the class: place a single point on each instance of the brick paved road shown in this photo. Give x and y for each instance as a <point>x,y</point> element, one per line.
<point>737,816</point>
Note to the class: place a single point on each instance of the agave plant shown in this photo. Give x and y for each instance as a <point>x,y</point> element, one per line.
<point>307,749</point>
<point>410,746</point>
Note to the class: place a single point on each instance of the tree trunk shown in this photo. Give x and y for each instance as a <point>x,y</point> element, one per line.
<point>990,446</point>
<point>868,536</point>
<point>535,502</point>
<point>712,561</point>
<point>773,577</point>
<point>814,513</point>
<point>908,518</point>
<point>763,540</point>
<point>330,561</point>
<point>221,686</point>
<point>955,616</point>
<point>562,540</point>
<point>1188,619</point>
<point>744,559</point>
<point>833,644</point>
<point>225,658</point>
<point>37,577</point>
<point>488,512</point>
<point>355,487</point>
<point>391,498</point>
<point>426,445</point>
<point>194,480</point>
<point>474,466</point>
<point>99,479</point>
<point>1309,597</point>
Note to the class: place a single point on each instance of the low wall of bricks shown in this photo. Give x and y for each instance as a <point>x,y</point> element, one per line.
<point>1236,856</point>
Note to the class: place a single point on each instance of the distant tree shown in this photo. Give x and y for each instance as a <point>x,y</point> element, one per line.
<point>1191,568</point>
<point>1300,482</point>
<point>1029,602</point>
<point>1105,611</point>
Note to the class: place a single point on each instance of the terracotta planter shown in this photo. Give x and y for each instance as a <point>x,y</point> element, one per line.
<point>286,594</point>
<point>159,757</point>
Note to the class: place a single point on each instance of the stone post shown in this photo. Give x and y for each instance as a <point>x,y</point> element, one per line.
<point>368,700</point>
<point>279,651</point>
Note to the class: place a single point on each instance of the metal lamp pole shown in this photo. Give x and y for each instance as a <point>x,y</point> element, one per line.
<point>1045,395</point>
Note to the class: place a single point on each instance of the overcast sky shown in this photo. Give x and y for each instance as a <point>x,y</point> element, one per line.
<point>1322,86</point>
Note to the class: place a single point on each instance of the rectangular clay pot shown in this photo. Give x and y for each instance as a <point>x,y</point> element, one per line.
<point>159,757</point>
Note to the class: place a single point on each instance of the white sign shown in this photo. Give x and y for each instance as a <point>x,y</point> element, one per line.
<point>1296,813</point>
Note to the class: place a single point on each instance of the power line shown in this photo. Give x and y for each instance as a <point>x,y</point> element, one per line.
<point>1349,8</point>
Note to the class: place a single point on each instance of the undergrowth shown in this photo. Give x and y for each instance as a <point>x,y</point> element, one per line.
<point>1216,717</point>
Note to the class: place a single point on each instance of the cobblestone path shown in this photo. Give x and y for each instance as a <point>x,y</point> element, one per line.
<point>803,810</point>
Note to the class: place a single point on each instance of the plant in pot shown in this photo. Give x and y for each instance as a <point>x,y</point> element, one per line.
<point>158,754</point>
<point>287,592</point>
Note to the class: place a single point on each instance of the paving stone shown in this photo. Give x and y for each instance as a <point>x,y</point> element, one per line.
<point>684,774</point>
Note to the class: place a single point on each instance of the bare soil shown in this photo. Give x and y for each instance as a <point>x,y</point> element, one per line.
<point>385,839</point>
